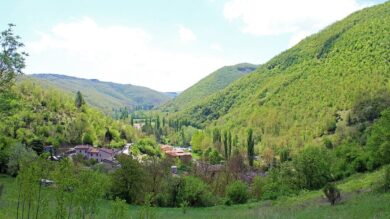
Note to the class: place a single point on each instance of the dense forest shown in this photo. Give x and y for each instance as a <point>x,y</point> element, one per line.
<point>312,122</point>
<point>104,96</point>
<point>302,95</point>
<point>209,85</point>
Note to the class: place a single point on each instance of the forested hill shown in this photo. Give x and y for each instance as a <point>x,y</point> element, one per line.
<point>303,94</point>
<point>209,85</point>
<point>105,95</point>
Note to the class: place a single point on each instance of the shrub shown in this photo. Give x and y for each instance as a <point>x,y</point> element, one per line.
<point>313,168</point>
<point>378,140</point>
<point>386,185</point>
<point>237,192</point>
<point>184,206</point>
<point>257,187</point>
<point>118,209</point>
<point>281,181</point>
<point>332,193</point>
<point>194,191</point>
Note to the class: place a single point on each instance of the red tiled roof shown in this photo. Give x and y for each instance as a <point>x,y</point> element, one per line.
<point>166,148</point>
<point>178,153</point>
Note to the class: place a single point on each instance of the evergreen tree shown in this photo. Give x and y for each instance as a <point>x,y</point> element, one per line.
<point>108,136</point>
<point>250,147</point>
<point>225,144</point>
<point>132,121</point>
<point>79,102</point>
<point>229,142</point>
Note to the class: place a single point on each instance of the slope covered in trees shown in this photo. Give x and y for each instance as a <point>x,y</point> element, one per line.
<point>36,117</point>
<point>306,93</point>
<point>105,95</point>
<point>209,85</point>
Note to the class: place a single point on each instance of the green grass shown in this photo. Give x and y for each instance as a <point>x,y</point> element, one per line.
<point>359,201</point>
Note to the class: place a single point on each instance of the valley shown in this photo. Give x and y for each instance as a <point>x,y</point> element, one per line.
<point>302,135</point>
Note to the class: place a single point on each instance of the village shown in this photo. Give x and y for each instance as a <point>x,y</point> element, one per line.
<point>107,156</point>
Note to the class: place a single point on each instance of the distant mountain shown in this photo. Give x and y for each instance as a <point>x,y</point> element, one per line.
<point>172,94</point>
<point>105,95</point>
<point>303,94</point>
<point>209,85</point>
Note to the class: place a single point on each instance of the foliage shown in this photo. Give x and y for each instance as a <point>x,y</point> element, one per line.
<point>212,156</point>
<point>281,181</point>
<point>147,212</point>
<point>208,86</point>
<point>257,187</point>
<point>313,168</point>
<point>194,191</point>
<point>238,192</point>
<point>118,209</point>
<point>386,179</point>
<point>19,154</point>
<point>11,60</point>
<point>379,140</point>
<point>105,96</point>
<point>148,146</point>
<point>39,117</point>
<point>128,182</point>
<point>79,101</point>
<point>250,147</point>
<point>332,193</point>
<point>295,97</point>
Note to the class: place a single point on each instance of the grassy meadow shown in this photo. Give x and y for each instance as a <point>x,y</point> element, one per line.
<point>359,200</point>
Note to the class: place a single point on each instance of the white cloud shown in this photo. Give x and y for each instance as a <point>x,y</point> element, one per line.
<point>217,47</point>
<point>186,34</point>
<point>122,54</point>
<point>298,17</point>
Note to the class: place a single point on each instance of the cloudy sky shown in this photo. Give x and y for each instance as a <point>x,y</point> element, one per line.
<point>166,45</point>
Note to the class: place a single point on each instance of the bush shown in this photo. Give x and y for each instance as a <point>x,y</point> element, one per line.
<point>257,187</point>
<point>237,192</point>
<point>118,209</point>
<point>281,181</point>
<point>332,193</point>
<point>386,184</point>
<point>184,206</point>
<point>378,140</point>
<point>195,192</point>
<point>312,166</point>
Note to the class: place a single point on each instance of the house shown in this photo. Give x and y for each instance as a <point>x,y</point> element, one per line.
<point>82,149</point>
<point>173,152</point>
<point>99,154</point>
<point>106,154</point>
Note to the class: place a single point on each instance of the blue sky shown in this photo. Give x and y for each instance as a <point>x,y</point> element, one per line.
<point>164,45</point>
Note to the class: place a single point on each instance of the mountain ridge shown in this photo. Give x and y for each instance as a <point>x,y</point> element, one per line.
<point>104,95</point>
<point>208,86</point>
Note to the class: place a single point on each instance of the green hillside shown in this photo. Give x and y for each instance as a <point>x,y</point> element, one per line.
<point>34,116</point>
<point>105,95</point>
<point>209,85</point>
<point>305,93</point>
